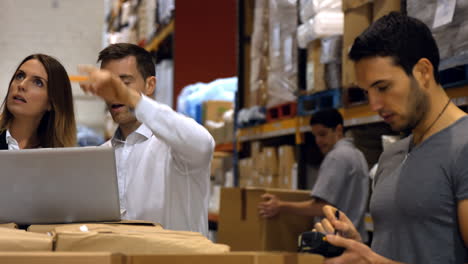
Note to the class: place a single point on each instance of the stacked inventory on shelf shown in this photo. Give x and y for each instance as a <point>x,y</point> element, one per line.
<point>136,21</point>
<point>269,167</point>
<point>147,23</point>
<point>273,79</point>
<point>323,64</point>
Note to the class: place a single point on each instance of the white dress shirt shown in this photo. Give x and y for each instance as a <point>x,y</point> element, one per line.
<point>11,141</point>
<point>163,169</point>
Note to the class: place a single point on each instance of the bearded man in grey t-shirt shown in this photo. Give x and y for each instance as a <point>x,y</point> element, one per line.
<point>420,199</point>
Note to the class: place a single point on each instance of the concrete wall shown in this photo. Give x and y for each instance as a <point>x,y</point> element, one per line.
<point>69,30</point>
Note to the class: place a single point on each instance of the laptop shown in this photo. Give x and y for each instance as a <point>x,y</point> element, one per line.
<point>58,185</point>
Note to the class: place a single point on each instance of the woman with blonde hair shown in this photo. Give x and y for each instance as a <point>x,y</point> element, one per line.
<point>38,108</point>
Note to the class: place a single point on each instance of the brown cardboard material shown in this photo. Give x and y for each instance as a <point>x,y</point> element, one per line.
<point>61,258</point>
<point>243,182</point>
<point>218,134</point>
<point>309,258</point>
<point>271,181</point>
<point>356,20</point>
<point>351,4</point>
<point>258,59</point>
<point>20,240</point>
<point>255,149</point>
<point>245,168</point>
<point>259,163</point>
<point>136,225</point>
<point>286,164</point>
<point>229,258</point>
<point>383,7</point>
<point>271,161</point>
<point>120,239</point>
<point>112,258</point>
<point>220,165</point>
<point>214,110</point>
<point>228,131</point>
<point>221,162</point>
<point>216,164</point>
<point>241,227</point>
<point>9,225</point>
<point>256,179</point>
<point>316,70</point>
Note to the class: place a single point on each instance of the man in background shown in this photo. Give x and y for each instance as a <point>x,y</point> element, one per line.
<point>343,179</point>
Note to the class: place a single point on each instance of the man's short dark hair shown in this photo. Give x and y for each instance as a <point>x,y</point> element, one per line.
<point>330,118</point>
<point>405,39</point>
<point>118,51</point>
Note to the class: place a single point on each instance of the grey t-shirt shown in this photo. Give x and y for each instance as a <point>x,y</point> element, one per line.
<point>414,203</point>
<point>343,181</point>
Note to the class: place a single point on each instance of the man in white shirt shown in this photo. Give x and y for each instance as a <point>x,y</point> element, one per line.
<point>163,158</point>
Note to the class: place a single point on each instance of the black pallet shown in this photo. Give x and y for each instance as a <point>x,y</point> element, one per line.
<point>455,76</point>
<point>309,104</point>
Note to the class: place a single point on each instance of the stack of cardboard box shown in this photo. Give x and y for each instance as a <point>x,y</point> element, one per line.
<point>270,167</point>
<point>222,129</point>
<point>220,165</point>
<point>315,69</point>
<point>12,239</point>
<point>125,237</point>
<point>132,242</point>
<point>116,258</point>
<point>258,57</point>
<point>359,14</point>
<point>287,170</point>
<point>245,168</point>
<point>125,242</point>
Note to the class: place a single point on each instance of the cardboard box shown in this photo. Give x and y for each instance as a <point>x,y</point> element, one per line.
<point>271,161</point>
<point>383,7</point>
<point>214,110</point>
<point>356,20</point>
<point>9,225</point>
<point>216,164</point>
<point>315,69</point>
<point>20,240</point>
<point>223,161</point>
<point>257,61</point>
<point>269,172</point>
<point>259,163</point>
<point>255,149</point>
<point>309,258</point>
<point>121,239</point>
<point>256,179</point>
<point>352,4</point>
<point>220,164</point>
<point>241,227</point>
<point>218,134</point>
<point>271,181</point>
<point>245,168</point>
<point>228,131</point>
<point>136,225</point>
<point>112,258</point>
<point>61,258</point>
<point>288,178</point>
<point>286,164</point>
<point>243,183</point>
<point>229,258</point>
